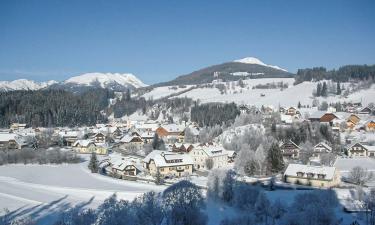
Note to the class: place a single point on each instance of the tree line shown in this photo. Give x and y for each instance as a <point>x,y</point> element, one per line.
<point>343,74</point>
<point>48,108</point>
<point>211,114</point>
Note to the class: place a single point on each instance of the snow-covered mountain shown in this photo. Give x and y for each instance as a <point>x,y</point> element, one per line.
<point>106,80</point>
<point>23,84</point>
<point>113,81</point>
<point>253,60</point>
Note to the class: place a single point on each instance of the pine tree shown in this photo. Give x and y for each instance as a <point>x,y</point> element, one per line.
<point>324,90</point>
<point>319,89</point>
<point>299,105</point>
<point>158,178</point>
<point>338,89</point>
<point>93,164</point>
<point>275,162</point>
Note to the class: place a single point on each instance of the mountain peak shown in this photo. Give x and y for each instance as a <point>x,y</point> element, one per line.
<point>253,60</point>
<point>106,79</point>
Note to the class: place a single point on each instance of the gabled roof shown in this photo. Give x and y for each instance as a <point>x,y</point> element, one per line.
<point>163,158</point>
<point>83,143</point>
<point>172,128</point>
<point>325,145</point>
<point>128,138</point>
<point>293,169</point>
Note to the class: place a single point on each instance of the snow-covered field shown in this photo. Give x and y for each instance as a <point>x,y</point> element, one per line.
<point>161,92</point>
<point>287,97</point>
<point>42,190</point>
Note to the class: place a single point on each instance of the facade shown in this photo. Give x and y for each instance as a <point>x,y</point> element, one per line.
<point>290,150</point>
<point>168,164</point>
<point>131,142</point>
<point>124,167</point>
<point>321,148</point>
<point>9,141</point>
<point>316,176</point>
<point>182,147</point>
<point>204,152</point>
<point>361,150</point>
<point>171,133</point>
<point>99,138</point>
<point>88,147</point>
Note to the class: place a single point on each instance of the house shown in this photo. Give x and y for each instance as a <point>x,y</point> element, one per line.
<point>292,111</point>
<point>99,138</point>
<point>17,126</point>
<point>370,125</point>
<point>352,121</point>
<point>171,133</point>
<point>361,150</point>
<point>231,156</point>
<point>125,166</point>
<point>328,118</point>
<point>317,176</point>
<point>321,148</point>
<point>131,142</point>
<point>68,137</point>
<point>290,150</point>
<point>10,141</point>
<point>147,136</point>
<point>209,153</point>
<point>315,117</point>
<point>366,110</point>
<point>168,164</point>
<point>182,147</point>
<point>88,147</point>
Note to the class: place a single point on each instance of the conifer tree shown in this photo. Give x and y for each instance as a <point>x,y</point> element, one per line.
<point>275,162</point>
<point>93,164</point>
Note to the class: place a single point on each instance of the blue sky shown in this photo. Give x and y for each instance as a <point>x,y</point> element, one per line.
<point>159,40</point>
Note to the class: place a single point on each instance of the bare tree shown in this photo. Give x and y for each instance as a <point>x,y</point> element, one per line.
<point>360,176</point>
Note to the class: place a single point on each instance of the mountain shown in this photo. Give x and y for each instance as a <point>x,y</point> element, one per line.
<point>113,81</point>
<point>23,84</point>
<point>248,67</point>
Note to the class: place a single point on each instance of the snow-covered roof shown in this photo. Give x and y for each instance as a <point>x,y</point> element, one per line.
<point>212,150</point>
<point>68,133</point>
<point>293,169</point>
<point>324,145</point>
<point>83,143</point>
<point>317,114</point>
<point>164,158</point>
<point>5,137</point>
<point>128,138</point>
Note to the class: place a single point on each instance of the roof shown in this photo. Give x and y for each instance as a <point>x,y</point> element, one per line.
<point>121,164</point>
<point>293,169</point>
<point>128,138</point>
<point>164,158</point>
<point>4,137</point>
<point>317,114</point>
<point>324,145</point>
<point>83,143</point>
<point>212,150</point>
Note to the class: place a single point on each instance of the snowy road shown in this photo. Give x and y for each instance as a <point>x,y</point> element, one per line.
<point>41,190</point>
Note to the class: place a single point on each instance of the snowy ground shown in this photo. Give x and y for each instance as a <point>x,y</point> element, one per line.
<point>287,97</point>
<point>41,190</point>
<point>344,165</point>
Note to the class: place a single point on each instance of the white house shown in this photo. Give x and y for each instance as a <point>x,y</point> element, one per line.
<point>205,154</point>
<point>168,164</point>
<point>321,148</point>
<point>317,176</point>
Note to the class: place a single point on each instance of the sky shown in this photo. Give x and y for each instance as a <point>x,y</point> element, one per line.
<point>160,40</point>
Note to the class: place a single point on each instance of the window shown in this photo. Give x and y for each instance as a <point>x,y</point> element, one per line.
<point>162,169</point>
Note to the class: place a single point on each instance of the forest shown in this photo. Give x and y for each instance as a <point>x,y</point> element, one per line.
<point>343,74</point>
<point>214,113</point>
<point>48,108</point>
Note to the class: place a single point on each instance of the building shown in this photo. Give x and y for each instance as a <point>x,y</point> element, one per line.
<point>182,147</point>
<point>366,110</point>
<point>370,125</point>
<point>320,149</point>
<point>99,138</point>
<point>131,142</point>
<point>88,147</point>
<point>204,154</point>
<point>361,150</point>
<point>292,111</point>
<point>68,137</point>
<point>168,164</point>
<point>171,133</point>
<point>317,176</point>
<point>290,150</point>
<point>124,167</point>
<point>10,141</point>
<point>17,126</point>
<point>328,118</point>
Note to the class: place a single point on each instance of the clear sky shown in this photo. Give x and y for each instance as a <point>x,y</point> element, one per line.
<point>159,40</point>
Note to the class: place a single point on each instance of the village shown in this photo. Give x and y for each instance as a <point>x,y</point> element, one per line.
<point>158,151</point>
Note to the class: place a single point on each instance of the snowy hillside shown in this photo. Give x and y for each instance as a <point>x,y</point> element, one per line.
<point>253,60</point>
<point>23,84</point>
<point>289,96</point>
<point>106,80</point>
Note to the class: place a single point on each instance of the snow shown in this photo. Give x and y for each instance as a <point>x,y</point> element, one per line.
<point>51,187</point>
<point>23,84</point>
<point>105,79</point>
<point>161,92</point>
<point>252,60</point>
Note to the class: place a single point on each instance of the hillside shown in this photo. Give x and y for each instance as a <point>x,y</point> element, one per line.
<point>243,68</point>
